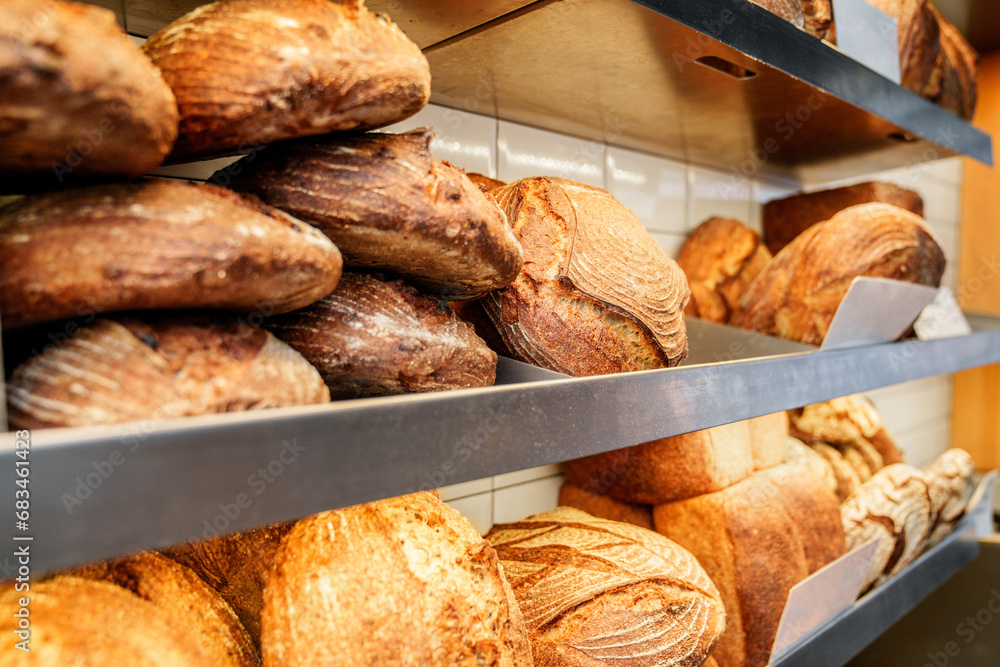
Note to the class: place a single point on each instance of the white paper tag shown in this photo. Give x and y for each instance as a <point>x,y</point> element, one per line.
<point>942,318</point>
<point>868,35</point>
<point>876,310</point>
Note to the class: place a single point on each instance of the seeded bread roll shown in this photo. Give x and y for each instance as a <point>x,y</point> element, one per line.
<point>606,507</point>
<point>596,592</point>
<point>249,72</point>
<point>371,337</point>
<point>79,99</point>
<point>597,294</point>
<point>126,370</point>
<point>156,244</point>
<point>389,205</point>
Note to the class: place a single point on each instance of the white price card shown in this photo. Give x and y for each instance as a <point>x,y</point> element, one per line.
<point>876,310</point>
<point>942,318</point>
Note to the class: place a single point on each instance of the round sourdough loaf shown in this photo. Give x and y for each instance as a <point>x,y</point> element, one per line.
<point>389,205</point>
<point>596,294</point>
<point>156,244</point>
<point>249,72</point>
<point>596,592</point>
<point>79,99</point>
<point>126,370</point>
<point>403,581</point>
<point>371,337</point>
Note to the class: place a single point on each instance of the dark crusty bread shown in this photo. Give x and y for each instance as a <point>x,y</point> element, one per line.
<point>79,99</point>
<point>849,419</point>
<point>237,567</point>
<point>606,507</point>
<point>371,337</point>
<point>669,469</point>
<point>184,597</point>
<point>473,313</point>
<point>784,219</point>
<point>389,205</point>
<point>153,245</point>
<point>249,72</point>
<point>720,258</point>
<point>126,370</point>
<point>958,69</point>
<point>484,183</point>
<point>403,581</point>
<point>597,294</point>
<point>797,294</point>
<point>596,592</point>
<point>768,439</point>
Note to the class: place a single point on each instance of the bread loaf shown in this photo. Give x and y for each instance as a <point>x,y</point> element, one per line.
<point>237,567</point>
<point>79,100</point>
<point>597,294</point>
<point>86,623</point>
<point>768,439</point>
<point>606,507</point>
<point>948,480</point>
<point>403,581</point>
<point>784,219</point>
<point>371,337</point>
<point>596,592</point>
<point>389,205</point>
<point>185,599</point>
<point>846,420</point>
<point>249,72</point>
<point>798,453</point>
<point>484,183</point>
<point>847,478</point>
<point>669,469</point>
<point>958,69</point>
<point>919,44</point>
<point>720,258</point>
<point>797,294</point>
<point>156,244</point>
<point>126,370</point>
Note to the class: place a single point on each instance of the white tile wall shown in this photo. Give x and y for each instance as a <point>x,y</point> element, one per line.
<point>464,139</point>
<point>717,193</point>
<point>516,502</point>
<point>653,188</point>
<point>524,151</point>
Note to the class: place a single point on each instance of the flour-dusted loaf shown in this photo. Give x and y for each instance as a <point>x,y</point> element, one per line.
<point>786,218</point>
<point>78,98</point>
<point>403,581</point>
<point>605,507</point>
<point>372,337</point>
<point>389,205</point>
<point>720,258</point>
<point>768,439</point>
<point>185,598</point>
<point>596,592</point>
<point>152,245</point>
<point>249,72</point>
<point>849,419</point>
<point>894,506</point>
<point>797,294</point>
<point>597,294</point>
<point>948,479</point>
<point>668,469</point>
<point>126,370</point>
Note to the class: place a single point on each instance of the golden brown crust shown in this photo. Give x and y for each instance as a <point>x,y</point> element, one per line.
<point>597,294</point>
<point>796,296</point>
<point>156,244</point>
<point>918,41</point>
<point>784,219</point>
<point>818,16</point>
<point>958,69</point>
<point>389,205</point>
<point>846,420</point>
<point>403,581</point>
<point>606,507</point>
<point>371,337</point>
<point>126,370</point>
<point>597,592</point>
<point>484,183</point>
<point>249,72</point>
<point>79,100</point>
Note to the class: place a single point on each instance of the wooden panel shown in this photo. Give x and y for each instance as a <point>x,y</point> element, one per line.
<point>976,415</point>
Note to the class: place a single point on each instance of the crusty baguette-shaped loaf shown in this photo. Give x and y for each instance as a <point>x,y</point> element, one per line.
<point>606,507</point>
<point>797,294</point>
<point>403,581</point>
<point>184,597</point>
<point>847,478</point>
<point>768,439</point>
<point>847,419</point>
<point>720,258</point>
<point>799,453</point>
<point>153,245</point>
<point>249,72</point>
<point>237,566</point>
<point>948,480</point>
<point>389,205</point>
<point>747,541</point>
<point>597,294</point>
<point>958,69</point>
<point>894,506</point>
<point>596,592</point>
<point>86,623</point>
<point>668,469</point>
<point>784,219</point>
<point>371,337</point>
<point>126,370</point>
<point>79,99</point>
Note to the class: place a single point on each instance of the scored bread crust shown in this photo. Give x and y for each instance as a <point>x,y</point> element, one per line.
<point>389,205</point>
<point>249,72</point>
<point>597,294</point>
<point>948,479</point>
<point>846,420</point>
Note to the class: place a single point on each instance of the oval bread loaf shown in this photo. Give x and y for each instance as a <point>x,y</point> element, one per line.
<point>249,72</point>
